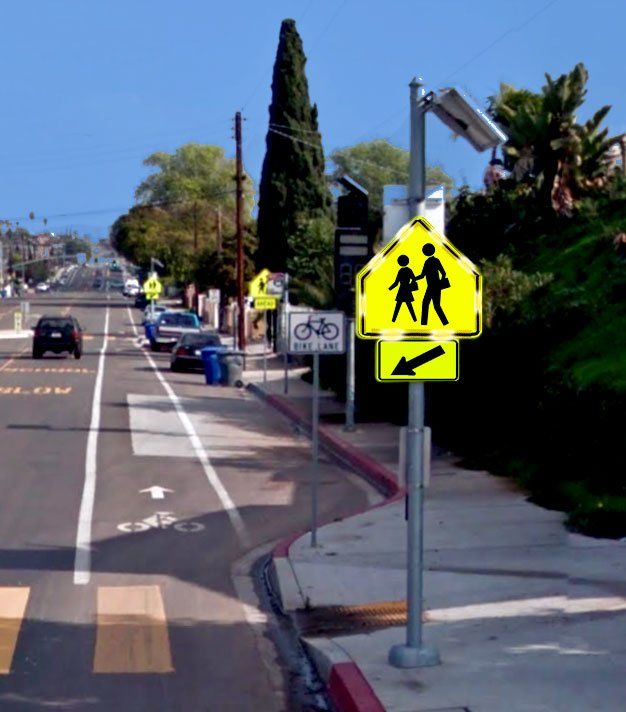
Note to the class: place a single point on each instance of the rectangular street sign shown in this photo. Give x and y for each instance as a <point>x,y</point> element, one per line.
<point>417,361</point>
<point>320,332</point>
<point>265,303</point>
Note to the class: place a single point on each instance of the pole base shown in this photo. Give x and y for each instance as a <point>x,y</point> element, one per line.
<point>405,656</point>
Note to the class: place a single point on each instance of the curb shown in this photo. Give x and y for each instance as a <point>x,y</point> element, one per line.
<point>380,477</point>
<point>347,687</point>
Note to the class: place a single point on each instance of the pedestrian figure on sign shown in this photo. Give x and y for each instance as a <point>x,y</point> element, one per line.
<point>406,284</point>
<point>436,281</point>
<point>262,286</point>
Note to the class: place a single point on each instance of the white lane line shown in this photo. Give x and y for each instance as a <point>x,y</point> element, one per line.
<point>82,560</point>
<point>211,475</point>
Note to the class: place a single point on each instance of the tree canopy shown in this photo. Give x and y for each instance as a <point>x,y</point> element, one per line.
<point>548,148</point>
<point>374,164</point>
<point>293,189</point>
<point>180,210</point>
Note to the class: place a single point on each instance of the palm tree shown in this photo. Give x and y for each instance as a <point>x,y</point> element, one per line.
<point>547,146</point>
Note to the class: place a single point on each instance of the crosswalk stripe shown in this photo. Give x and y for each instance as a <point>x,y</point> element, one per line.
<point>13,602</point>
<point>132,635</point>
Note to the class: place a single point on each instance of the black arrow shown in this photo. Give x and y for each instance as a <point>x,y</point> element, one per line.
<point>407,368</point>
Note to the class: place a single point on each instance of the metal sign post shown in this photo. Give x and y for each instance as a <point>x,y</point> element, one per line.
<point>285,317</point>
<point>265,345</point>
<point>315,333</point>
<point>350,378</point>
<point>414,653</point>
<point>315,418</point>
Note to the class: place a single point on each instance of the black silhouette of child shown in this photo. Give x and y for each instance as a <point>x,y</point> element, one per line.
<point>434,273</point>
<point>405,281</point>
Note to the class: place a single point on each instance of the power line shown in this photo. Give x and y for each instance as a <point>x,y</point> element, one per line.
<point>499,39</point>
<point>293,128</point>
<point>104,149</point>
<point>104,211</point>
<point>364,161</point>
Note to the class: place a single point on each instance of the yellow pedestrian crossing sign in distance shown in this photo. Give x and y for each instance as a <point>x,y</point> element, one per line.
<point>419,286</point>
<point>424,360</point>
<point>257,287</point>
<point>152,287</point>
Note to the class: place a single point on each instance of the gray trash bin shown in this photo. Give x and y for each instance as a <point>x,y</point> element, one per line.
<point>232,362</point>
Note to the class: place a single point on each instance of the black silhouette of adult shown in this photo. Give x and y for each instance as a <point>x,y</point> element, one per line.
<point>406,284</point>
<point>434,273</point>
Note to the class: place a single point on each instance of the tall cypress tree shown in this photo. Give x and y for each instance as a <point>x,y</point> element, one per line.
<point>293,188</point>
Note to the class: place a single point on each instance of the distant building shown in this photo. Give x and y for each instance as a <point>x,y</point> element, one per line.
<point>616,155</point>
<point>42,244</point>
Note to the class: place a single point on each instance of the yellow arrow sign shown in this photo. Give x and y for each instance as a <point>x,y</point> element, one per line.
<point>417,361</point>
<point>419,285</point>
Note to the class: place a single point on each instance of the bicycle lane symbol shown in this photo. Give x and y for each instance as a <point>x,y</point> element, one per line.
<point>161,520</point>
<point>316,325</point>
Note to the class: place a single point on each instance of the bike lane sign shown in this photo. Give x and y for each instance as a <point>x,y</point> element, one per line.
<point>317,332</point>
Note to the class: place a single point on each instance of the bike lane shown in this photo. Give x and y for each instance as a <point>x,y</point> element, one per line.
<point>170,631</point>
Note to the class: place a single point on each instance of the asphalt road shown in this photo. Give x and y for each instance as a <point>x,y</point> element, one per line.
<point>145,616</point>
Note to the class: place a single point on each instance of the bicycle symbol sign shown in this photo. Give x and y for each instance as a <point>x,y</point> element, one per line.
<point>316,332</point>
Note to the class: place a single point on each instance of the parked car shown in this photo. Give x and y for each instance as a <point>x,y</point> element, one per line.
<point>141,301</point>
<point>170,326</point>
<point>150,316</point>
<point>131,287</point>
<point>186,352</point>
<point>58,334</point>
<point>42,287</point>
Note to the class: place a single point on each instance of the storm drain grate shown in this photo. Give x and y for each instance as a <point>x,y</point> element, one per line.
<point>336,620</point>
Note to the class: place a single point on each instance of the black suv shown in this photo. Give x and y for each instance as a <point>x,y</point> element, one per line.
<point>57,334</point>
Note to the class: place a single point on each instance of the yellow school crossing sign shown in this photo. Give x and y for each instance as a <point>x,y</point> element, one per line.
<point>257,287</point>
<point>419,286</point>
<point>152,287</point>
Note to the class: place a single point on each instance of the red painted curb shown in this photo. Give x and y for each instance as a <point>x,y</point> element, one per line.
<point>281,550</point>
<point>350,691</point>
<point>383,478</point>
<point>348,688</point>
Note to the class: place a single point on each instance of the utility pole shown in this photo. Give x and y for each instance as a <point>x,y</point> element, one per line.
<point>241,331</point>
<point>195,227</point>
<point>196,296</point>
<point>219,229</point>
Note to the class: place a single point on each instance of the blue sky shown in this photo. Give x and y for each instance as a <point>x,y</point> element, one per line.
<point>92,87</point>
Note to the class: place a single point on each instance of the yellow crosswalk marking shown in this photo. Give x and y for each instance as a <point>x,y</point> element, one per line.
<point>13,602</point>
<point>132,634</point>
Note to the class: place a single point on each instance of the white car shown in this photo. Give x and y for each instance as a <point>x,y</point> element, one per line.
<point>42,287</point>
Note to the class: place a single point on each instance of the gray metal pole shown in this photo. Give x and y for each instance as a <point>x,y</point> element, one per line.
<point>265,345</point>
<point>350,379</point>
<point>315,446</point>
<point>285,334</point>
<point>414,653</point>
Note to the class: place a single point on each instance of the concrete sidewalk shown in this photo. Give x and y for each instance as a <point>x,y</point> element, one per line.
<point>526,616</point>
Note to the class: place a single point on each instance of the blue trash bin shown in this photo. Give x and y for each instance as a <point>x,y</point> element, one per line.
<point>149,329</point>
<point>211,361</point>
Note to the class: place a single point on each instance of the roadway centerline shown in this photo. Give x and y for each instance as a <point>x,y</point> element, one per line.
<point>82,560</point>
<point>227,503</point>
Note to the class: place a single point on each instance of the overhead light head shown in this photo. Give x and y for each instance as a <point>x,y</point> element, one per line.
<point>459,113</point>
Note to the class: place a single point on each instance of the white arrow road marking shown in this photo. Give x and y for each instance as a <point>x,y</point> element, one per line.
<point>156,491</point>
<point>229,506</point>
